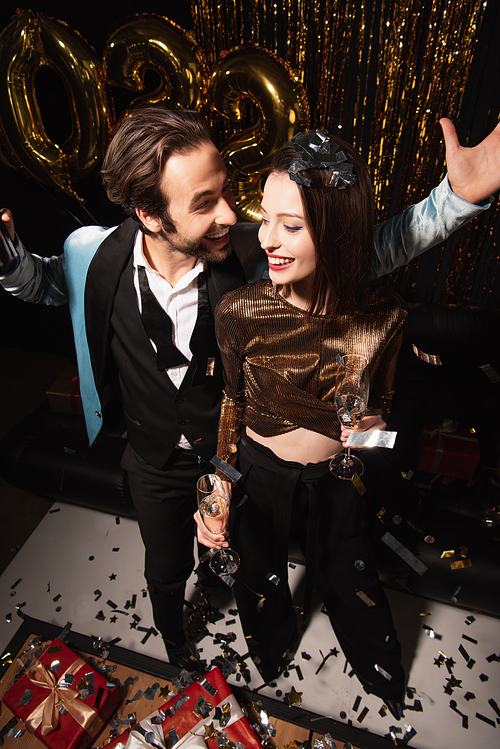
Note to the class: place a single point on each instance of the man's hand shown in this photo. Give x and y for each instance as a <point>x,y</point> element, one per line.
<point>8,255</point>
<point>474,173</point>
<point>6,217</point>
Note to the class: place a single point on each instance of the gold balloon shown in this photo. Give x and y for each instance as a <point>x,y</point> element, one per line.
<point>149,41</point>
<point>252,75</point>
<point>30,41</point>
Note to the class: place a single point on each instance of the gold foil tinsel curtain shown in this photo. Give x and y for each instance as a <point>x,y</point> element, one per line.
<point>382,73</point>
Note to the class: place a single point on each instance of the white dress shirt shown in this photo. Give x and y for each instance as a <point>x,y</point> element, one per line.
<point>180,302</point>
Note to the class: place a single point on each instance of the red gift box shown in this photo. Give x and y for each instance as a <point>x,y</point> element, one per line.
<point>64,394</point>
<point>61,699</point>
<point>448,450</point>
<point>194,719</point>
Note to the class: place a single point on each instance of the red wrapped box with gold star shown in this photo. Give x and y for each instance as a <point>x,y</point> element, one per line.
<point>205,715</point>
<point>61,699</point>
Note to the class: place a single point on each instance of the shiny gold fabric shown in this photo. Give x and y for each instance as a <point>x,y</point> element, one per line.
<point>280,367</point>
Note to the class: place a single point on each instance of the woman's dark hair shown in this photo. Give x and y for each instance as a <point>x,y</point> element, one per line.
<point>341,224</point>
<point>133,165</point>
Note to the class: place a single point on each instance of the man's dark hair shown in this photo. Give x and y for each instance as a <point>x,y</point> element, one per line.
<point>341,224</point>
<point>133,165</point>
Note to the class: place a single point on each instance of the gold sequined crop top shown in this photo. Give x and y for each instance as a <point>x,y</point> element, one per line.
<point>280,367</point>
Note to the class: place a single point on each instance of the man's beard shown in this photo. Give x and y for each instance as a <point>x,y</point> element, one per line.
<point>197,248</point>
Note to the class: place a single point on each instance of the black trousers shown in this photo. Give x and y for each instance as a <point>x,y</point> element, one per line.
<point>325,515</point>
<point>165,501</point>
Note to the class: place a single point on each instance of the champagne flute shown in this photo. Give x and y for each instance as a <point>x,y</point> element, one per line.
<point>351,400</point>
<point>213,507</point>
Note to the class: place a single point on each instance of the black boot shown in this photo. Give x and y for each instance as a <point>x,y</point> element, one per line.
<point>395,708</point>
<point>186,656</point>
<point>395,705</point>
<point>270,672</point>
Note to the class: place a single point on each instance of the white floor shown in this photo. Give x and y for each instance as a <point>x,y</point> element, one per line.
<point>83,566</point>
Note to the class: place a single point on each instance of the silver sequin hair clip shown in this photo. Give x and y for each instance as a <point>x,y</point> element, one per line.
<point>316,150</point>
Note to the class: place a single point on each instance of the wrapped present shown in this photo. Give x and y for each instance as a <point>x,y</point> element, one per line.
<point>448,450</point>
<point>61,699</point>
<point>64,394</point>
<point>119,742</point>
<point>206,715</point>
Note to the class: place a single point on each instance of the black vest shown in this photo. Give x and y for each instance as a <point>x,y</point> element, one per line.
<point>156,413</point>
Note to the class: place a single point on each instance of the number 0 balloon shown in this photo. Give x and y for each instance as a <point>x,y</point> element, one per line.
<point>30,41</point>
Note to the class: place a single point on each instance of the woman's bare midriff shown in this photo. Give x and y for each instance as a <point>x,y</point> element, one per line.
<point>300,446</point>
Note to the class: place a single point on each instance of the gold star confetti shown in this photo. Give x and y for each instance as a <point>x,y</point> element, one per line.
<point>210,732</point>
<point>165,692</point>
<point>294,698</point>
<point>454,682</point>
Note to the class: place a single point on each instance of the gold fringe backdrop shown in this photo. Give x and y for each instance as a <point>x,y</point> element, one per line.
<point>382,73</point>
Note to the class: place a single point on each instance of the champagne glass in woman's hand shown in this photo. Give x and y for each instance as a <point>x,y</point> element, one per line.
<point>351,399</point>
<point>213,507</point>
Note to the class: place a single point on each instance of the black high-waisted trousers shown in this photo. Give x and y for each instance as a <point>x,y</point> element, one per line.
<point>325,515</point>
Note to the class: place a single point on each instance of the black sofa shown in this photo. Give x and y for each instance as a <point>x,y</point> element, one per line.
<point>48,454</point>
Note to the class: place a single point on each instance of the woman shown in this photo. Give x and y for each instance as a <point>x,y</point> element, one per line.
<point>280,341</point>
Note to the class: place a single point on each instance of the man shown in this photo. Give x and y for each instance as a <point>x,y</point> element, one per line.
<point>141,298</point>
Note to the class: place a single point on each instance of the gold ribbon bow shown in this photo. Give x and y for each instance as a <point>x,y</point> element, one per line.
<point>46,713</point>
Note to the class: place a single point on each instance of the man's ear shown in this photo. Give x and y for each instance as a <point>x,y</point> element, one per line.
<point>152,223</point>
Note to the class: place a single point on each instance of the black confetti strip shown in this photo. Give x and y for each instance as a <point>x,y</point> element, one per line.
<point>364,712</point>
<point>98,698</point>
<point>486,720</point>
<point>463,652</point>
<point>495,707</point>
